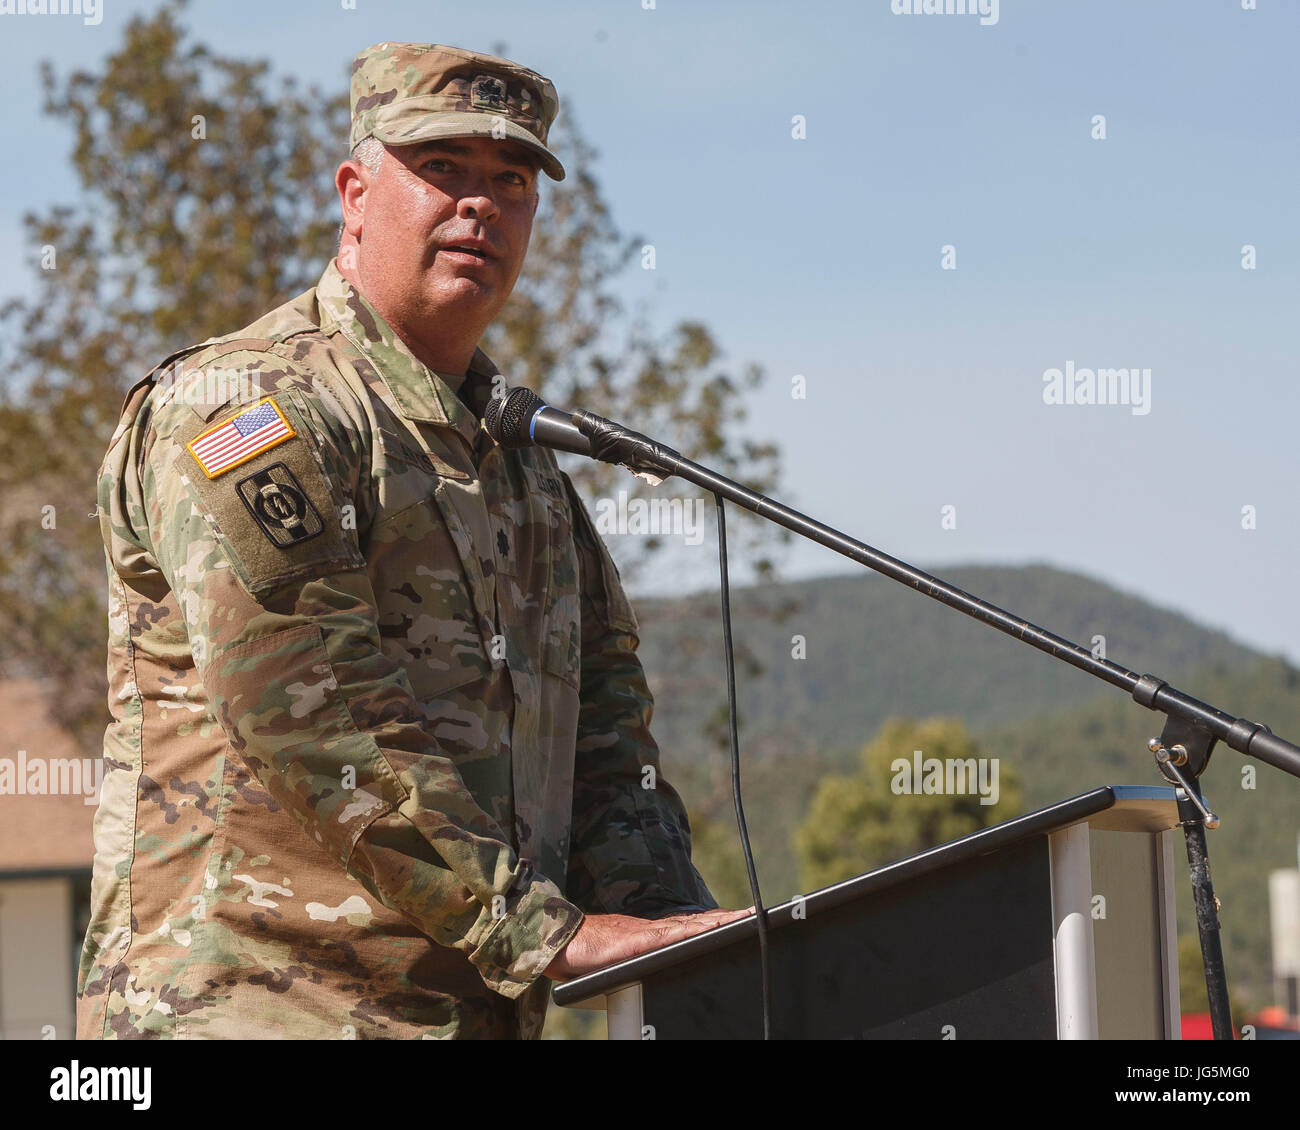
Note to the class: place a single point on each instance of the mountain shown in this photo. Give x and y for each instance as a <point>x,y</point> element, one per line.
<point>873,649</point>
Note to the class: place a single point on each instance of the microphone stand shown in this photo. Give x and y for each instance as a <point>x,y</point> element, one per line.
<point>1191,727</point>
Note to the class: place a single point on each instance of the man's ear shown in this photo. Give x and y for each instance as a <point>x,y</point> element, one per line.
<point>352,180</point>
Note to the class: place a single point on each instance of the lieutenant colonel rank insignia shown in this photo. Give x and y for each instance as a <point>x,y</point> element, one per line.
<point>487,92</point>
<point>253,431</point>
<point>280,506</point>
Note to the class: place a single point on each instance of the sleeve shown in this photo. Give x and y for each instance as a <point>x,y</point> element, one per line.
<point>631,845</point>
<point>266,563</point>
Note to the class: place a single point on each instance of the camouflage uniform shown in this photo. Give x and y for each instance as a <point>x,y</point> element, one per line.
<point>364,621</point>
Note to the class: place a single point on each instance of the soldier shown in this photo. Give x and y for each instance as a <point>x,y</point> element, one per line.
<point>380,759</point>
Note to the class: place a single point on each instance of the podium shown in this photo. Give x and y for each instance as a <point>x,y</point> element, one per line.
<point>1058,924</point>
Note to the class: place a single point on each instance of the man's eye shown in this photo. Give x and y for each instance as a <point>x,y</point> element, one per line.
<point>437,161</point>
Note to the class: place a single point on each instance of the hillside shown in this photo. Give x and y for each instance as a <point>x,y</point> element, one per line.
<point>875,649</point>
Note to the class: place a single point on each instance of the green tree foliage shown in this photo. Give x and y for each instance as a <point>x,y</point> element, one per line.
<point>859,822</point>
<point>1193,995</point>
<point>204,202</point>
<point>207,199</point>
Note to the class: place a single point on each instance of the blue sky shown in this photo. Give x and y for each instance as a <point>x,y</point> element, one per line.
<point>821,256</point>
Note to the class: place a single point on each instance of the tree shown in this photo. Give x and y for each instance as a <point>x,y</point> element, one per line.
<point>888,811</point>
<point>206,200</point>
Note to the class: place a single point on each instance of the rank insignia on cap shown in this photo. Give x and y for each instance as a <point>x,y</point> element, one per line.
<point>240,438</point>
<point>487,92</point>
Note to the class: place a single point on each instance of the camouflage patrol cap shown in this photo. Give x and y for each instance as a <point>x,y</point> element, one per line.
<point>403,93</point>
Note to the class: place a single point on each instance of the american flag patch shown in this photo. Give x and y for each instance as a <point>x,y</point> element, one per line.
<point>253,431</point>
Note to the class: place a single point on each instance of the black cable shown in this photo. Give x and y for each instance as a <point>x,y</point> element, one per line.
<point>759,912</point>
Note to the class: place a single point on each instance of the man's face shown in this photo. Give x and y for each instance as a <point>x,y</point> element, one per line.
<point>444,227</point>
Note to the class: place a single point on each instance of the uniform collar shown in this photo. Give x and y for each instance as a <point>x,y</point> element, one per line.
<point>419,392</point>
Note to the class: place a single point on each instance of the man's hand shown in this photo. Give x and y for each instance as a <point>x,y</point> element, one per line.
<point>605,939</point>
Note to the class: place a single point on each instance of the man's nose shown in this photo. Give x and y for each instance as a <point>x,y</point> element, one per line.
<point>476,203</point>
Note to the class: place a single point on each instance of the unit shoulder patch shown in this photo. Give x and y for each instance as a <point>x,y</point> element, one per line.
<point>288,514</point>
<point>280,506</point>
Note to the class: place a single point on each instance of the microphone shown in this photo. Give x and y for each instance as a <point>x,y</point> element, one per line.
<point>521,418</point>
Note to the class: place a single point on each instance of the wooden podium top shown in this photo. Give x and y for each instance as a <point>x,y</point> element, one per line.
<point>1123,808</point>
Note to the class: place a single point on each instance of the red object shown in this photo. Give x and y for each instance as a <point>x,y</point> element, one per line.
<point>1274,1016</point>
<point>1196,1026</point>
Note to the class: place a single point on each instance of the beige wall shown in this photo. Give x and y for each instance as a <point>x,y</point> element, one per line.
<point>36,975</point>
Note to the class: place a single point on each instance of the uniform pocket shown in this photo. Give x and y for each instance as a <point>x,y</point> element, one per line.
<point>427,619</point>
<point>291,726</point>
